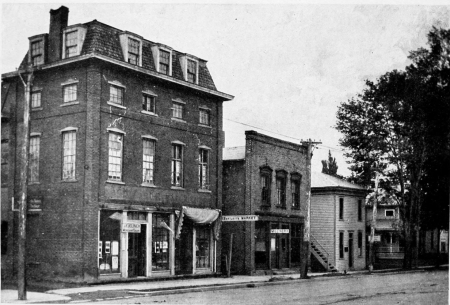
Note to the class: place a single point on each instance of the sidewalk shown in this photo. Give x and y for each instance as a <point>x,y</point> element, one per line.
<point>131,289</point>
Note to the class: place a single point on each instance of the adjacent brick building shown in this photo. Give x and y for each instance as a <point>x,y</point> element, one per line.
<point>338,222</point>
<point>125,156</point>
<point>268,180</point>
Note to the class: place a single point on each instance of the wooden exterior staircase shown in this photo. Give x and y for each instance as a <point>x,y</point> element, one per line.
<point>321,254</point>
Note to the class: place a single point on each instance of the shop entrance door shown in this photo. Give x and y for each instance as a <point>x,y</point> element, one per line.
<point>183,249</point>
<point>284,247</point>
<point>137,250</point>
<point>350,249</point>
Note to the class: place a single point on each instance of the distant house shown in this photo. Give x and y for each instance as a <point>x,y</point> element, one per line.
<point>338,224</point>
<point>389,250</point>
<point>267,181</point>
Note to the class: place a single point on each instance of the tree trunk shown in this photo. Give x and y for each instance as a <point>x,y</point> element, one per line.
<point>438,250</point>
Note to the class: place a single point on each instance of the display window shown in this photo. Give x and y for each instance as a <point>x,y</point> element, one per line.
<point>202,246</point>
<point>108,244</point>
<point>160,242</point>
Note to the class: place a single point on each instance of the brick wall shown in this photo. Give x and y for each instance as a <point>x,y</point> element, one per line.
<point>64,242</point>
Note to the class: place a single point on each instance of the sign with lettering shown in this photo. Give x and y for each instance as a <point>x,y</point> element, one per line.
<point>240,218</point>
<point>279,231</point>
<point>131,227</point>
<point>34,205</point>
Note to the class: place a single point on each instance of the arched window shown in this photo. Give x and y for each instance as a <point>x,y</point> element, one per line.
<point>266,184</point>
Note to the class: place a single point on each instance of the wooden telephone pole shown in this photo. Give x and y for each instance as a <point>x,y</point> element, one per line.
<point>21,260</point>
<point>304,263</point>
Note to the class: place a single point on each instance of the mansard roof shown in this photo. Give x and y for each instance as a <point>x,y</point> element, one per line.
<point>103,41</point>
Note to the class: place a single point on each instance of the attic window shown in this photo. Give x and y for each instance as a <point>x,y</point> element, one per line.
<point>192,71</point>
<point>164,61</point>
<point>71,44</point>
<point>37,52</point>
<point>73,38</point>
<point>133,51</point>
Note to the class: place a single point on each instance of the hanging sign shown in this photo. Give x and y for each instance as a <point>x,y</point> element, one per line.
<point>279,231</point>
<point>240,218</point>
<point>131,227</point>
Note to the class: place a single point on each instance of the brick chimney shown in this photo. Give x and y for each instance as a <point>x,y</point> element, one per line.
<point>58,21</point>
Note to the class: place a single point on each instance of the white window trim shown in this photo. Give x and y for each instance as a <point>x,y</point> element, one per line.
<point>393,211</point>
<point>117,84</point>
<point>81,35</point>
<point>178,100</point>
<point>149,137</point>
<point>124,43</point>
<point>34,39</point>
<point>70,81</point>
<point>149,92</point>
<point>204,147</point>
<point>113,129</point>
<point>69,129</point>
<point>184,61</point>
<point>155,51</point>
<point>35,134</point>
<point>178,143</point>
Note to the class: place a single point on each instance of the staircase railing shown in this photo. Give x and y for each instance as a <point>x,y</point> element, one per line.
<point>321,249</point>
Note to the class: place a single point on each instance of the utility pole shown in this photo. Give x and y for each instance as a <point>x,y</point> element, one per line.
<point>304,262</point>
<point>373,225</point>
<point>21,272</point>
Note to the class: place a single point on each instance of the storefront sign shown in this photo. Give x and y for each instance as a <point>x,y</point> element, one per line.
<point>279,231</point>
<point>377,238</point>
<point>131,227</point>
<point>240,218</point>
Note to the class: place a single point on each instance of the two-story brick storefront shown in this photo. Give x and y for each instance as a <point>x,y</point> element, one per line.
<point>266,185</point>
<point>125,156</point>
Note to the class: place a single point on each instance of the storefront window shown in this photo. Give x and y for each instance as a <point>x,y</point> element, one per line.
<point>108,244</point>
<point>202,246</point>
<point>160,242</point>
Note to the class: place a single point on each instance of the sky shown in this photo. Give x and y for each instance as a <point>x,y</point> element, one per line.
<point>289,65</point>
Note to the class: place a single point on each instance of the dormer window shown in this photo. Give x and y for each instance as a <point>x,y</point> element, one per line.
<point>71,43</point>
<point>164,62</point>
<point>73,38</point>
<point>37,52</point>
<point>162,55</point>
<point>192,71</point>
<point>131,48</point>
<point>133,51</point>
<point>189,66</point>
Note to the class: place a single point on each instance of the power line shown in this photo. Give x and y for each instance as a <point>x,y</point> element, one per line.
<point>283,135</point>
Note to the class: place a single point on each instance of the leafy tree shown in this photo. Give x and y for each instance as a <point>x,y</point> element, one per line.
<point>392,128</point>
<point>330,166</point>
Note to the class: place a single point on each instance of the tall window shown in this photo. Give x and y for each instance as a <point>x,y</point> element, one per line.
<point>149,103</point>
<point>70,93</point>
<point>37,52</point>
<point>204,116</point>
<point>161,239</point>
<point>266,182</point>
<point>148,161</point>
<point>192,71</point>
<point>71,44</point>
<point>69,152</point>
<point>115,156</point>
<point>133,51</point>
<point>33,165</point>
<point>281,189</point>
<point>341,244</point>
<point>359,210</point>
<point>36,99</point>
<point>164,62</point>
<point>295,188</point>
<point>360,236</point>
<point>116,95</point>
<point>177,110</point>
<point>203,169</point>
<point>341,208</point>
<point>177,165</point>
